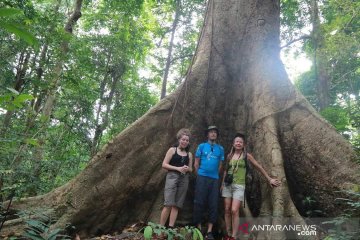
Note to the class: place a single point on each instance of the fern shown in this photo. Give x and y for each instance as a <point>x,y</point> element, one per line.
<point>39,228</point>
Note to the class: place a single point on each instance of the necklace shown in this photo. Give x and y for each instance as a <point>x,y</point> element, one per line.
<point>237,162</point>
<point>240,154</point>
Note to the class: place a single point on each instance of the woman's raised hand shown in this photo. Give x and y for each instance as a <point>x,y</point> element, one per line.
<point>274,182</point>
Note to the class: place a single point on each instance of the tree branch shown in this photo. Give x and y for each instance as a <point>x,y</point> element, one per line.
<point>180,57</point>
<point>74,17</point>
<point>296,40</point>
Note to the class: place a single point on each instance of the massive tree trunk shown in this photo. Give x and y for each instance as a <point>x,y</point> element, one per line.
<point>238,83</point>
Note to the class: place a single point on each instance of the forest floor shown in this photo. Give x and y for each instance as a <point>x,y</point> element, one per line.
<point>130,232</point>
<point>136,232</point>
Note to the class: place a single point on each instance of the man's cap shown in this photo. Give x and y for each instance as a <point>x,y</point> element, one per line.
<point>212,128</point>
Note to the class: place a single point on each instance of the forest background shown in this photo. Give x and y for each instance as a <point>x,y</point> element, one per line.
<point>70,82</point>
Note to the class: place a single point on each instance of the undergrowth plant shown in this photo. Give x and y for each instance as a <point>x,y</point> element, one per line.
<point>38,227</point>
<point>346,226</point>
<point>183,233</point>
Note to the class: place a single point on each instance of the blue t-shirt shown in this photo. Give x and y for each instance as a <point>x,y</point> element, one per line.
<point>210,157</point>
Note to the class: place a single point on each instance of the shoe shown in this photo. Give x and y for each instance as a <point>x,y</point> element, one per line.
<point>226,237</point>
<point>209,236</point>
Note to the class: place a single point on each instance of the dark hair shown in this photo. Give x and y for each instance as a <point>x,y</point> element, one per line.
<point>240,135</point>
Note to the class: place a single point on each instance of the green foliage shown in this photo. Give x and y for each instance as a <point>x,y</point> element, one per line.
<point>14,100</point>
<point>293,18</point>
<point>307,85</point>
<point>172,233</point>
<point>309,206</point>
<point>148,233</point>
<point>17,29</point>
<point>39,228</point>
<point>6,12</point>
<point>111,46</point>
<point>190,19</point>
<point>338,117</point>
<point>346,226</point>
<point>338,53</point>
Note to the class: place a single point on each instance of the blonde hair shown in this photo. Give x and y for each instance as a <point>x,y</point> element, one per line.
<point>232,151</point>
<point>182,132</point>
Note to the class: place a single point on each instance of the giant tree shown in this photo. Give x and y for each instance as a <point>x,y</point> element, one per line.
<point>237,82</point>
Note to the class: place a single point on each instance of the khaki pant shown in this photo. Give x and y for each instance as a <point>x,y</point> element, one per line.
<point>176,186</point>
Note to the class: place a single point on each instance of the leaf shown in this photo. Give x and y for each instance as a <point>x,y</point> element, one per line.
<point>32,141</point>
<point>32,235</point>
<point>356,188</point>
<point>6,171</point>
<point>5,12</point>
<point>21,33</point>
<point>13,90</point>
<point>198,233</point>
<point>22,98</point>
<point>170,236</point>
<point>54,234</point>
<point>148,233</point>
<point>35,224</point>
<point>195,235</point>
<point>157,231</point>
<point>183,231</point>
<point>5,98</point>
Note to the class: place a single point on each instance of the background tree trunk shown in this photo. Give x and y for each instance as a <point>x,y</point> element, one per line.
<point>49,103</point>
<point>238,83</point>
<point>51,97</point>
<point>116,73</point>
<point>320,71</point>
<point>171,45</point>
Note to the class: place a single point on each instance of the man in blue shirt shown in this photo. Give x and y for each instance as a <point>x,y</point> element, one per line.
<point>209,157</point>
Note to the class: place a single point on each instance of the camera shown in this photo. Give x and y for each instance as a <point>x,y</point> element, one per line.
<point>228,179</point>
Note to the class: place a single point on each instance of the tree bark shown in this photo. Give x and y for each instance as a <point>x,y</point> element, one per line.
<point>237,82</point>
<point>171,45</point>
